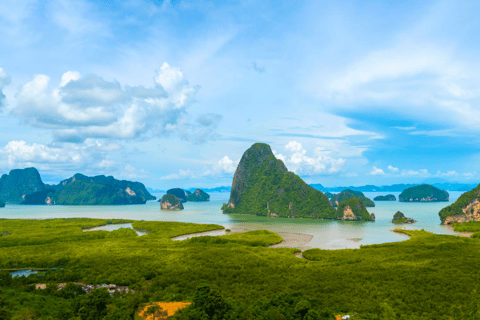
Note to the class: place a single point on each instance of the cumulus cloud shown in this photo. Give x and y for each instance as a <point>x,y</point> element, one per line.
<point>418,173</point>
<point>88,106</point>
<point>57,157</point>
<point>5,80</point>
<point>321,163</point>
<point>377,171</point>
<point>224,166</point>
<point>392,169</point>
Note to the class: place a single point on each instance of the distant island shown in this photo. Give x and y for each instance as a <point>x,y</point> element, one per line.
<point>197,196</point>
<point>354,209</point>
<point>399,217</point>
<point>350,194</point>
<point>25,186</point>
<point>2,204</point>
<point>388,197</point>
<point>423,193</point>
<point>179,193</point>
<point>466,208</point>
<point>170,202</point>
<point>451,186</point>
<point>263,186</point>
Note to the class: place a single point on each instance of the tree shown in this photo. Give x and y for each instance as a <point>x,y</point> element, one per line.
<point>94,305</point>
<point>387,312</point>
<point>302,307</point>
<point>210,301</point>
<point>154,310</point>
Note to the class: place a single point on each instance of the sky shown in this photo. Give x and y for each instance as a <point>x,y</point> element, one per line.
<point>171,93</point>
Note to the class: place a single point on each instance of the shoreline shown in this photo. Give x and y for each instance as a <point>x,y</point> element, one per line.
<point>458,233</point>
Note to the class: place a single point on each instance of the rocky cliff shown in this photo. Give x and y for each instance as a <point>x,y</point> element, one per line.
<point>198,196</point>
<point>18,183</point>
<point>262,185</point>
<point>423,193</point>
<point>466,208</point>
<point>353,209</point>
<point>170,202</point>
<point>350,194</point>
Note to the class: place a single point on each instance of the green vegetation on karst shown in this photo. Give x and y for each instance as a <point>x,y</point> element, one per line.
<point>233,276</point>
<point>424,192</point>
<point>358,209</point>
<point>179,193</point>
<point>457,207</point>
<point>348,194</point>
<point>388,197</point>
<point>399,217</point>
<point>19,182</point>
<point>170,202</point>
<point>198,195</point>
<point>262,185</point>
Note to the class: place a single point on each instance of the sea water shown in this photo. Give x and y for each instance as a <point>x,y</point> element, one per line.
<point>327,234</point>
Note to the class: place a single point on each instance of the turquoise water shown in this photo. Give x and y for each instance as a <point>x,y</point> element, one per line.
<point>326,234</point>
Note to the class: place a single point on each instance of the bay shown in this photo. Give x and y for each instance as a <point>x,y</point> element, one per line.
<point>327,234</point>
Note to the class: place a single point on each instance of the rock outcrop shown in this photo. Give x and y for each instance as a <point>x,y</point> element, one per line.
<point>423,193</point>
<point>399,217</point>
<point>466,208</point>
<point>354,209</point>
<point>388,197</point>
<point>198,196</point>
<point>262,185</point>
<point>170,202</point>
<point>350,194</point>
<point>18,183</point>
<point>179,193</point>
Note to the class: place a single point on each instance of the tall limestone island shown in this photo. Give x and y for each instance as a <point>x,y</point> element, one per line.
<point>170,202</point>
<point>354,209</point>
<point>18,183</point>
<point>466,208</point>
<point>263,186</point>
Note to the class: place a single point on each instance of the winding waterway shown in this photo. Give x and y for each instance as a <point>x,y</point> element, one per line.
<point>326,234</point>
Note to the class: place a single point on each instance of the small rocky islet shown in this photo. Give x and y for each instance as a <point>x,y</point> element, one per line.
<point>399,217</point>
<point>174,198</point>
<point>348,194</point>
<point>388,197</point>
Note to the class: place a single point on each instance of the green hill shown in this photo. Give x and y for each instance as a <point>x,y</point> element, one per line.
<point>263,186</point>
<point>354,209</point>
<point>349,194</point>
<point>198,196</point>
<point>388,197</point>
<point>179,193</point>
<point>466,208</point>
<point>423,193</point>
<point>170,202</point>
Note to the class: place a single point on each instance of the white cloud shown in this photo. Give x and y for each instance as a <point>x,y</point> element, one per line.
<point>451,173</point>
<point>58,158</point>
<point>182,174</point>
<point>90,107</point>
<point>224,166</point>
<point>5,80</point>
<point>392,169</point>
<point>377,171</point>
<point>418,173</point>
<point>299,162</point>
<point>129,172</point>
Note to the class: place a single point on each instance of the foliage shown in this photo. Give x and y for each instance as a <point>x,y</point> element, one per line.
<point>388,197</point>
<point>424,191</point>
<point>329,195</point>
<point>350,194</point>
<point>464,200</point>
<point>399,217</point>
<point>358,208</point>
<point>198,195</point>
<point>38,197</point>
<point>263,186</point>
<point>233,279</point>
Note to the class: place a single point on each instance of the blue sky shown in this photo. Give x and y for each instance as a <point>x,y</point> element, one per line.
<point>171,93</point>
